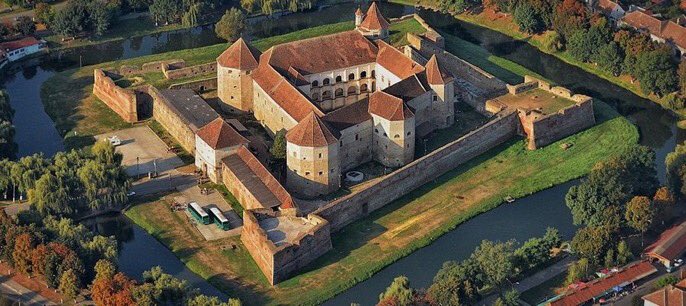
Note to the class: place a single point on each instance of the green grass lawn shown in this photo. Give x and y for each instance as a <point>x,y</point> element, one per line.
<point>414,221</point>
<point>78,115</point>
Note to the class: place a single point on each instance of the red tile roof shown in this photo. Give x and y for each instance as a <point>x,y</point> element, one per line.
<point>396,62</point>
<point>435,74</point>
<point>607,6</point>
<point>358,12</point>
<point>218,135</point>
<point>374,20</point>
<point>643,21</point>
<point>349,115</point>
<point>590,290</point>
<point>311,132</point>
<point>289,98</point>
<point>668,296</point>
<point>239,56</point>
<point>323,53</point>
<point>674,32</point>
<point>389,107</point>
<point>670,245</point>
<point>18,44</point>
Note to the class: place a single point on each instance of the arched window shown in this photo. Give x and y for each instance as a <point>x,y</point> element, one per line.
<point>339,79</point>
<point>339,92</point>
<point>363,88</point>
<point>373,86</point>
<point>363,74</point>
<point>326,94</point>
<point>351,77</point>
<point>396,136</point>
<point>326,81</point>
<point>315,83</point>
<point>373,73</point>
<point>352,90</point>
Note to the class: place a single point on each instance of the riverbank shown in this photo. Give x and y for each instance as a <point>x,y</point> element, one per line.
<point>78,115</point>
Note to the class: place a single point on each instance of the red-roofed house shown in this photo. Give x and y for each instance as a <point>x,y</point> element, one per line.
<point>671,295</point>
<point>662,31</point>
<point>592,292</point>
<point>612,10</point>
<point>670,246</point>
<point>18,49</point>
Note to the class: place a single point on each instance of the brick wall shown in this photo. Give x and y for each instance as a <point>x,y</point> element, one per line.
<point>149,67</point>
<point>121,101</point>
<point>421,171</point>
<point>172,73</point>
<point>170,119</point>
<point>198,85</point>
<point>541,131</point>
<point>279,263</point>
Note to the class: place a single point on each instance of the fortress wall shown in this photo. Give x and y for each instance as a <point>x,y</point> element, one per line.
<point>239,190</point>
<point>156,66</point>
<point>421,171</point>
<point>121,101</point>
<point>279,263</point>
<point>173,73</point>
<point>308,247</point>
<point>165,113</point>
<point>541,131</point>
<point>197,85</point>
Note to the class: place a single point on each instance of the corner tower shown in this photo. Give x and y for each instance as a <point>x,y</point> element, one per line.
<point>234,83</point>
<point>359,16</point>
<point>394,124</point>
<point>374,25</point>
<point>443,101</point>
<point>312,158</point>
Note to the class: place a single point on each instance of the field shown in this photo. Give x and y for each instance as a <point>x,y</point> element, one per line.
<point>68,99</point>
<point>412,222</point>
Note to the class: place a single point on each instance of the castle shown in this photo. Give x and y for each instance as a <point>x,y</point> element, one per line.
<point>344,99</point>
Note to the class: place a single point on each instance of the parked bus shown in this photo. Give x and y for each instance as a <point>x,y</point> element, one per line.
<point>199,213</point>
<point>219,219</point>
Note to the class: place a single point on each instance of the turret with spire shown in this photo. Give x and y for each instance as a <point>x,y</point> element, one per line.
<point>372,24</point>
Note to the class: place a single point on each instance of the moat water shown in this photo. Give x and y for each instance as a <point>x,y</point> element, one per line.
<point>36,133</point>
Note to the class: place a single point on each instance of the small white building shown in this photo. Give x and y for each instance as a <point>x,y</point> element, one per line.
<point>18,49</point>
<point>214,142</point>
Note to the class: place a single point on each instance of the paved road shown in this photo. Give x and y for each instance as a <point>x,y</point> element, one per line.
<point>19,293</point>
<point>11,16</point>
<point>536,279</point>
<point>646,287</point>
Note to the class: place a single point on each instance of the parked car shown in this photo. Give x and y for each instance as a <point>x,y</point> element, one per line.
<point>114,140</point>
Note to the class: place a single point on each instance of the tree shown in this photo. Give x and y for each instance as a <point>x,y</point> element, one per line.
<point>115,291</point>
<point>552,41</point>
<point>399,290</point>
<point>278,149</point>
<point>72,19</point>
<point>69,285</point>
<point>609,57</point>
<point>591,243</point>
<point>23,249</point>
<point>231,25</point>
<point>639,214</point>
<point>496,261</point>
<point>25,25</point>
<point>623,253</point>
<point>579,46</point>
<point>579,270</point>
<point>38,259</point>
<point>454,284</point>
<point>104,269</point>
<point>610,258</point>
<point>167,288</point>
<point>511,298</point>
<point>44,13</point>
<point>526,18</point>
<point>165,11</point>
<point>569,17</point>
<point>674,162</point>
<point>656,71</point>
<point>203,300</point>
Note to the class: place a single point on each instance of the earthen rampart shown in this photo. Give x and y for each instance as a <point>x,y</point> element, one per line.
<point>278,262</point>
<point>419,172</point>
<point>122,101</point>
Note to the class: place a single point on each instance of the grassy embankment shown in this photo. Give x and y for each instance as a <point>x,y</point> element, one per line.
<point>78,115</point>
<point>412,222</point>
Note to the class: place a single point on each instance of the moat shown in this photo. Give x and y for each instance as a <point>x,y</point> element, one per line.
<point>36,133</point>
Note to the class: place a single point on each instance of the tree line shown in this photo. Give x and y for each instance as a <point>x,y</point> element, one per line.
<point>492,265</point>
<point>8,148</point>
<point>68,184</point>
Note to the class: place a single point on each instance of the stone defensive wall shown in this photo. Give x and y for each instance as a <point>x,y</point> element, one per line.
<point>354,206</point>
<point>197,85</point>
<point>172,69</point>
<point>172,120</point>
<point>278,262</point>
<point>542,130</point>
<point>122,101</point>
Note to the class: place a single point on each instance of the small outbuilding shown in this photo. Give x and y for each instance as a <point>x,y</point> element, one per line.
<point>670,246</point>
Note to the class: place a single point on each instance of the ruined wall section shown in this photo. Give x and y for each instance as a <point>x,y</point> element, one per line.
<point>121,101</point>
<point>280,262</point>
<point>173,72</point>
<point>419,172</point>
<point>156,66</point>
<point>197,85</point>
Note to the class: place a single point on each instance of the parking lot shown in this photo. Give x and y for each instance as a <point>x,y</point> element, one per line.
<point>192,193</point>
<point>143,152</point>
